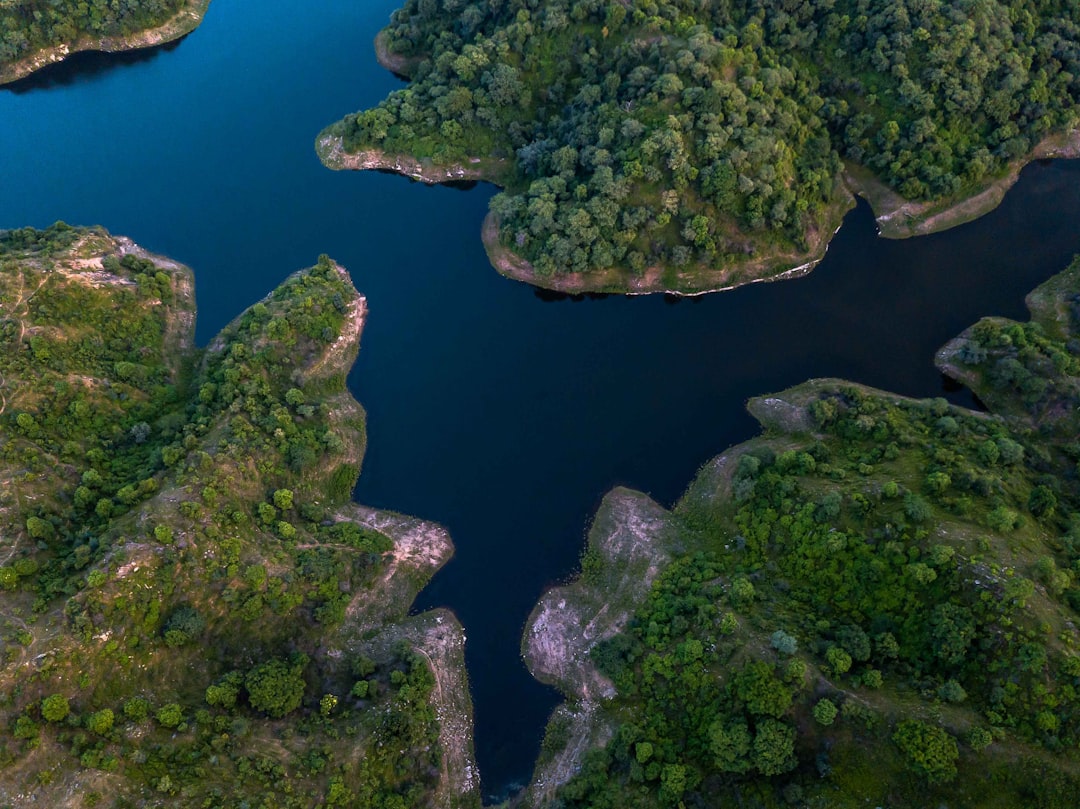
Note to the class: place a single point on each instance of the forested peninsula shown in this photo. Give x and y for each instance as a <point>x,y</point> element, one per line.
<point>681,145</point>
<point>874,603</point>
<point>192,610</point>
<point>38,33</point>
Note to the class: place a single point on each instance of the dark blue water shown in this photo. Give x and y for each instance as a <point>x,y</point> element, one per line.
<point>494,410</point>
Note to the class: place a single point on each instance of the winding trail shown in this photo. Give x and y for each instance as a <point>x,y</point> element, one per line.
<point>436,672</point>
<point>21,303</point>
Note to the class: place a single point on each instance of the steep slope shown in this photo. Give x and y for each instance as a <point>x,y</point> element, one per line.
<point>193,609</point>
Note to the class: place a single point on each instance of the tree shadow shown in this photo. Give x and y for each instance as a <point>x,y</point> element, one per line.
<point>85,66</point>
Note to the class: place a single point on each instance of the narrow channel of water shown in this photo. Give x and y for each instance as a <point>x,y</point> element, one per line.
<point>495,410</point>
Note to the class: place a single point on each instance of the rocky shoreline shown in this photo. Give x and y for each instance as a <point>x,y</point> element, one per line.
<point>183,23</point>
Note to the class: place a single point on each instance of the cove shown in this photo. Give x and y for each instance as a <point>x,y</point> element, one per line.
<point>495,410</point>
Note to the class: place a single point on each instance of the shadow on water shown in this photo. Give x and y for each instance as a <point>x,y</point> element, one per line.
<point>86,65</point>
<point>555,296</point>
<point>453,185</point>
<point>961,395</point>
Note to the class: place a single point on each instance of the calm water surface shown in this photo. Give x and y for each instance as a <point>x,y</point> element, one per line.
<point>498,412</point>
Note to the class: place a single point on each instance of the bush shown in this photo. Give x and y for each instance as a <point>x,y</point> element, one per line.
<point>917,509</point>
<point>1003,520</point>
<point>774,747</point>
<point>224,693</point>
<point>276,687</point>
<point>839,660</point>
<point>784,643</point>
<point>136,709</point>
<point>100,722</point>
<point>979,738</point>
<point>760,691</point>
<point>183,626</point>
<point>55,708</point>
<point>170,715</point>
<point>327,704</point>
<point>952,691</point>
<point>825,712</point>
<point>930,751</point>
<point>742,591</point>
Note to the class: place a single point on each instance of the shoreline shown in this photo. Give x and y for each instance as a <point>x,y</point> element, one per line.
<point>900,218</point>
<point>698,282</point>
<point>181,24</point>
<point>378,619</point>
<point>628,541</point>
<point>400,66</point>
<point>332,153</point>
<point>896,217</point>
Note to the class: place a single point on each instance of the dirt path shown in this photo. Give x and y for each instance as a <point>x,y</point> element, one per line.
<point>22,302</point>
<point>442,645</point>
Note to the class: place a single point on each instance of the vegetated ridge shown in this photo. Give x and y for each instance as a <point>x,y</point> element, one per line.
<point>674,145</point>
<point>192,610</point>
<point>38,33</point>
<point>874,603</point>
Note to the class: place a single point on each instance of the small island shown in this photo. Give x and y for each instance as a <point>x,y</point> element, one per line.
<point>38,33</point>
<point>872,604</point>
<point>671,147</point>
<point>192,609</point>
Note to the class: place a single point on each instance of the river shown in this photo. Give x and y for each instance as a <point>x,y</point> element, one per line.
<point>503,413</point>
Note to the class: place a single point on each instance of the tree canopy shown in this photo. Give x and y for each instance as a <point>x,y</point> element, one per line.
<point>679,133</point>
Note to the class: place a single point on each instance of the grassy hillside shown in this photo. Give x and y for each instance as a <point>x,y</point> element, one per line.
<point>873,603</point>
<point>194,613</point>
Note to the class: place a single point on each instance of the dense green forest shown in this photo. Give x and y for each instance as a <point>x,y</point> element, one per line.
<point>191,609</point>
<point>875,603</point>
<point>683,136</point>
<point>27,26</point>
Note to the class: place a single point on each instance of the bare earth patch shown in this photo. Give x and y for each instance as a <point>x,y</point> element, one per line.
<point>440,639</point>
<point>333,155</point>
<point>340,353</point>
<point>628,538</point>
